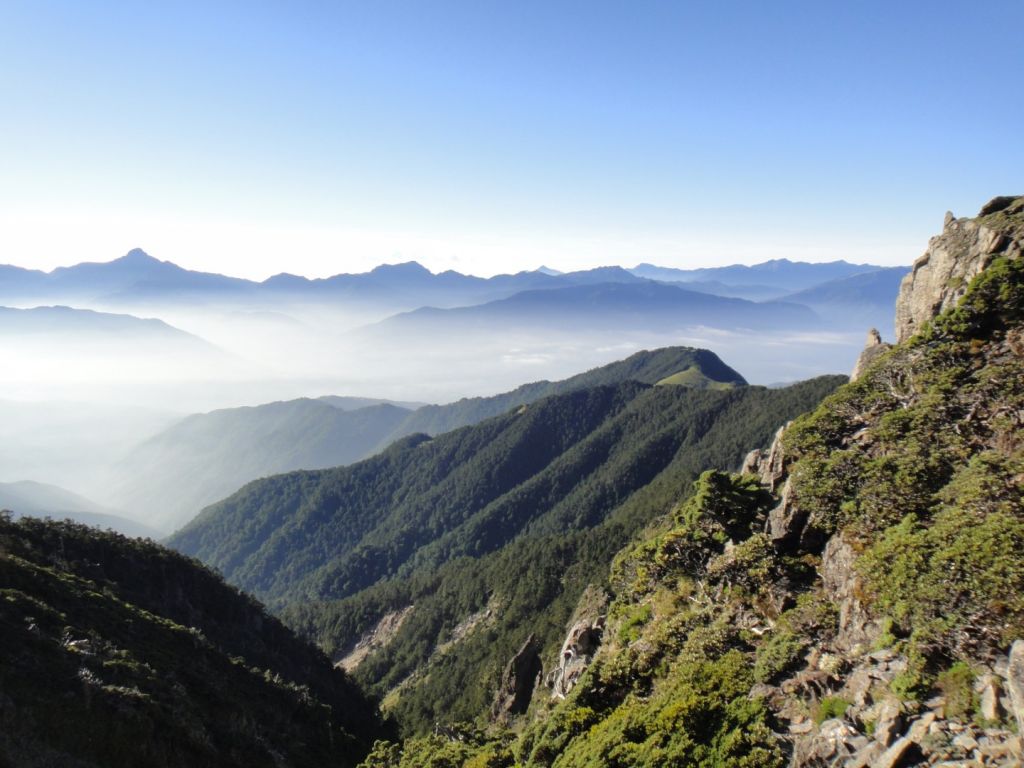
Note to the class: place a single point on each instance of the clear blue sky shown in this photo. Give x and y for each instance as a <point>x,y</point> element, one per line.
<point>259,137</point>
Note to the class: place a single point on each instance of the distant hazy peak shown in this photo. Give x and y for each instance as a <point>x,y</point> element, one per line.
<point>409,268</point>
<point>761,265</point>
<point>137,255</point>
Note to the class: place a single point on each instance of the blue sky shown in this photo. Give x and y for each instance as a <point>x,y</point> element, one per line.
<point>258,137</point>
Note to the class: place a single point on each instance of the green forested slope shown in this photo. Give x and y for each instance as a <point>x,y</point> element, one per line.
<point>857,602</point>
<point>116,651</point>
<point>205,457</point>
<point>518,512</point>
<point>648,367</point>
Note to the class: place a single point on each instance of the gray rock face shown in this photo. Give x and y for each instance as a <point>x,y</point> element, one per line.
<point>772,466</point>
<point>889,723</point>
<point>751,463</point>
<point>577,652</point>
<point>873,347</point>
<point>965,248</point>
<point>521,675</point>
<point>843,584</point>
<point>785,521</point>
<point>1015,683</point>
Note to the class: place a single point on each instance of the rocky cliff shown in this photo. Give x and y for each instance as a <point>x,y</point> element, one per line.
<point>964,249</point>
<point>908,486</point>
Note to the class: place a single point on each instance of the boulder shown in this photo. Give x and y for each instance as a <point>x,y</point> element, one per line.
<point>866,757</point>
<point>989,691</point>
<point>834,742</point>
<point>751,463</point>
<point>906,750</point>
<point>889,723</point>
<point>873,347</point>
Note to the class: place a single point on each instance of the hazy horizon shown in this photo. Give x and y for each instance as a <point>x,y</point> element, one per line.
<point>71,261</point>
<point>492,138</point>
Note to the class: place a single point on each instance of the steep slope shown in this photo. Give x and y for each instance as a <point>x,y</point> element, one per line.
<point>119,652</point>
<point>853,599</point>
<point>205,457</point>
<point>494,516</point>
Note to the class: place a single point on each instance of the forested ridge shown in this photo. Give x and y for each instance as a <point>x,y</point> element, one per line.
<point>517,514</point>
<point>205,457</point>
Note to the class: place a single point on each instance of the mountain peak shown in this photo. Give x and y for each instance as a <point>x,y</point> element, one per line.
<point>405,269</point>
<point>137,256</point>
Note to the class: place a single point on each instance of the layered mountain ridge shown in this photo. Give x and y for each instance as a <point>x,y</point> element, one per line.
<point>850,598</point>
<point>206,457</point>
<point>581,580</point>
<point>486,518</point>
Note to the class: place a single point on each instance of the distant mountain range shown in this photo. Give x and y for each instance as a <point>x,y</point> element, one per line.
<point>65,344</point>
<point>205,457</point>
<point>138,278</point>
<point>778,274</point>
<point>644,306</point>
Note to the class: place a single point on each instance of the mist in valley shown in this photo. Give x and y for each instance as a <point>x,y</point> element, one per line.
<point>106,381</point>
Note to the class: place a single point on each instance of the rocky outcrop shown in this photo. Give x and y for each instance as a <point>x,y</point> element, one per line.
<point>785,522</point>
<point>374,640</point>
<point>873,348</point>
<point>1015,683</point>
<point>518,681</point>
<point>577,652</point>
<point>966,247</point>
<point>843,585</point>
<point>888,733</point>
<point>772,467</point>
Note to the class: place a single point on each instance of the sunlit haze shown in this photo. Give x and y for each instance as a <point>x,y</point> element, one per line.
<point>252,139</point>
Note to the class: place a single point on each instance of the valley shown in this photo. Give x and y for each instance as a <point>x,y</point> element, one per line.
<point>650,562</point>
